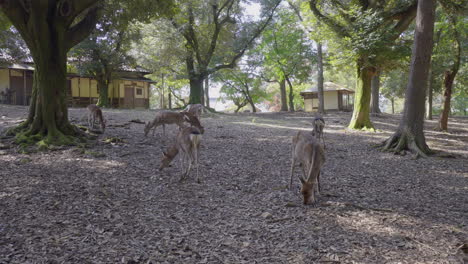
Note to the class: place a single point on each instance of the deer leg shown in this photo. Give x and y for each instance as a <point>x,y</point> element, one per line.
<point>196,163</point>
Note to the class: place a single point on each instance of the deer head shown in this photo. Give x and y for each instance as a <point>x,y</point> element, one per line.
<point>147,128</point>
<point>193,121</point>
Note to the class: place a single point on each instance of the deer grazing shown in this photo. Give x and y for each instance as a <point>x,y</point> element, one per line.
<point>194,109</point>
<point>188,144</point>
<point>167,117</point>
<point>307,150</point>
<point>318,124</point>
<point>95,113</point>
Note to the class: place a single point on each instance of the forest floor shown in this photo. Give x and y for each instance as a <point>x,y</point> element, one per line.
<point>106,202</point>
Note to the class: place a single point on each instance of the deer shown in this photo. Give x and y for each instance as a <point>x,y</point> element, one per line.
<point>188,144</point>
<point>307,150</point>
<point>94,112</point>
<point>194,109</point>
<point>318,124</point>
<point>168,117</point>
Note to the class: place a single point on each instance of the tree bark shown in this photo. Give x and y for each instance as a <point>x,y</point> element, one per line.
<point>321,107</point>
<point>196,89</point>
<point>284,103</point>
<point>429,95</point>
<point>449,77</point>
<point>362,97</point>
<point>207,92</point>
<point>393,105</point>
<point>291,95</point>
<point>375,87</point>
<point>103,88</point>
<point>49,33</point>
<point>410,133</point>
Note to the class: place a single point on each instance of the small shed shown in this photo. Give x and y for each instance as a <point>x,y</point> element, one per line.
<point>335,97</point>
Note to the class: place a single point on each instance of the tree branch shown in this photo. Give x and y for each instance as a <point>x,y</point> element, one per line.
<point>17,15</point>
<point>81,30</point>
<point>405,18</point>
<point>232,64</point>
<point>337,28</point>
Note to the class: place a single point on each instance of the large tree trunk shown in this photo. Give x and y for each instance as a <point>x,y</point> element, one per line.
<point>410,133</point>
<point>360,119</point>
<point>321,107</point>
<point>196,90</point>
<point>291,95</point>
<point>448,84</point>
<point>375,87</point>
<point>284,103</point>
<point>48,113</point>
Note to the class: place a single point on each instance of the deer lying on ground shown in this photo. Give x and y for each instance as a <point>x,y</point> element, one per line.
<point>188,144</point>
<point>318,125</point>
<point>194,109</point>
<point>307,150</point>
<point>167,117</point>
<point>94,112</point>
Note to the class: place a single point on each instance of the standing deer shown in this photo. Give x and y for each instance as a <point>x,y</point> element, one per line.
<point>94,112</point>
<point>194,109</point>
<point>167,117</point>
<point>188,143</point>
<point>309,153</point>
<point>318,124</point>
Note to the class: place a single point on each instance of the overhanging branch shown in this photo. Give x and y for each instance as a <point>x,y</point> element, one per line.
<point>80,31</point>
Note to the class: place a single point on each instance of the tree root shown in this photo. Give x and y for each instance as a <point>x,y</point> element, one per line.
<point>399,142</point>
<point>27,135</point>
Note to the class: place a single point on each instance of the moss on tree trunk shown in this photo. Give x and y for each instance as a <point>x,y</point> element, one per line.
<point>362,97</point>
<point>103,88</point>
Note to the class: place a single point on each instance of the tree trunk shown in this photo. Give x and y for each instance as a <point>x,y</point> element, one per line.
<point>375,87</point>
<point>393,105</point>
<point>103,87</point>
<point>207,92</point>
<point>284,103</point>
<point>429,95</point>
<point>321,106</point>
<point>360,119</point>
<point>196,90</point>
<point>410,133</point>
<point>291,95</point>
<point>48,113</point>
<point>169,99</point>
<point>448,84</point>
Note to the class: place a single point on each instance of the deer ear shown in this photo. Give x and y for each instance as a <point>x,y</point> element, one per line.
<point>302,180</point>
<point>164,154</point>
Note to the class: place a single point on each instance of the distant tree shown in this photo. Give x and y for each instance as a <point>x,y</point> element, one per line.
<point>241,86</point>
<point>366,32</point>
<point>287,54</point>
<point>452,40</point>
<point>216,36</point>
<point>12,46</point>
<point>393,85</point>
<point>410,133</point>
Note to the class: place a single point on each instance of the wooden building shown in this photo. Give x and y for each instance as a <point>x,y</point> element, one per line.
<point>129,90</point>
<point>335,98</point>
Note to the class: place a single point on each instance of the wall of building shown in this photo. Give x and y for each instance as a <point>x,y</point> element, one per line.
<point>330,100</point>
<point>4,80</point>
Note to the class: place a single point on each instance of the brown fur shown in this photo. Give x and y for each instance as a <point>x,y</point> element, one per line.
<point>93,113</point>
<point>310,154</point>
<point>168,117</point>
<point>188,144</point>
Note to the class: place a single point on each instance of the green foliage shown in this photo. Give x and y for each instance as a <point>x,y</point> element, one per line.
<point>241,86</point>
<point>285,48</point>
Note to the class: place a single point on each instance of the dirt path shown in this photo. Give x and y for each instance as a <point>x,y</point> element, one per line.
<point>108,203</point>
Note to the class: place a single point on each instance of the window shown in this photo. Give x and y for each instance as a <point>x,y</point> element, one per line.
<point>139,91</point>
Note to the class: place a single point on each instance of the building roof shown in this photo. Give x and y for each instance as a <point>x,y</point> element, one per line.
<point>328,87</point>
